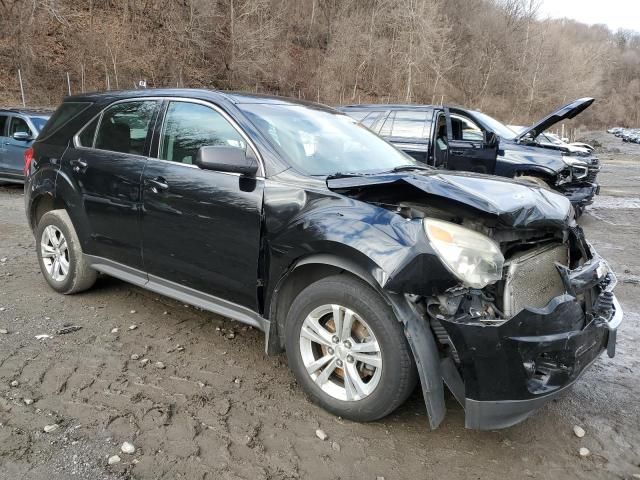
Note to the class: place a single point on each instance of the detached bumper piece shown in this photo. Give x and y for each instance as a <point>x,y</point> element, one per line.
<point>511,370</point>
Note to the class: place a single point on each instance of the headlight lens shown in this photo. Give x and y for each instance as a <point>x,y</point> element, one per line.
<point>472,257</point>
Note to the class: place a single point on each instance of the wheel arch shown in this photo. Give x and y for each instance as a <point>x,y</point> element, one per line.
<point>302,273</point>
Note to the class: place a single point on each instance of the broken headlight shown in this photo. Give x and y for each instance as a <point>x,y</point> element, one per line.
<point>579,168</point>
<point>472,257</point>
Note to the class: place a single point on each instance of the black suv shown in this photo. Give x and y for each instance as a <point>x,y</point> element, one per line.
<point>18,130</point>
<point>370,270</point>
<point>455,138</point>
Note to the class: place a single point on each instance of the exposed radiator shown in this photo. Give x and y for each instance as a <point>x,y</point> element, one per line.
<point>533,279</point>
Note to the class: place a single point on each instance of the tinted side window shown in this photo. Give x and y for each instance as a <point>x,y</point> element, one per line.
<point>370,119</point>
<point>18,125</point>
<point>189,126</point>
<point>385,131</point>
<point>3,123</point>
<point>124,127</point>
<point>465,129</point>
<point>409,124</point>
<point>62,115</point>
<point>357,115</point>
<point>85,139</point>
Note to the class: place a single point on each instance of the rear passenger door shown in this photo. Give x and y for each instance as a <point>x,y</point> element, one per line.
<point>105,166</point>
<point>410,131</point>
<point>201,228</point>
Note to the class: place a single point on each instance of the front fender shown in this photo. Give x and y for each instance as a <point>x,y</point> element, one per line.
<point>515,159</point>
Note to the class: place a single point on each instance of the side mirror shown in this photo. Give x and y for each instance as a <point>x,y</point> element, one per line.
<point>23,136</point>
<point>490,139</point>
<point>226,159</point>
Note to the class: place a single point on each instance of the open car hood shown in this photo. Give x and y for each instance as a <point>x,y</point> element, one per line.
<point>510,203</point>
<point>569,110</point>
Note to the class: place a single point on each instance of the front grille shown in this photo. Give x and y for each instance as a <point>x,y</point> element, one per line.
<point>591,176</point>
<point>532,278</point>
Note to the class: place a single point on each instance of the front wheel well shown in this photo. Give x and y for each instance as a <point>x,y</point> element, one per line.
<point>296,281</point>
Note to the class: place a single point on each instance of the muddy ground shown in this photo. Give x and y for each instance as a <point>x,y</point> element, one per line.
<point>221,409</point>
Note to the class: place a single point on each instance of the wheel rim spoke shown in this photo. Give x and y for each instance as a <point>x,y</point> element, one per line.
<point>366,347</point>
<point>48,251</point>
<point>347,325</point>
<point>312,330</point>
<point>356,384</point>
<point>326,373</point>
<point>373,360</point>
<point>64,266</point>
<point>313,367</point>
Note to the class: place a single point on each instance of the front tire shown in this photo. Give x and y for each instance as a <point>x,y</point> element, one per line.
<point>347,349</point>
<point>540,182</point>
<point>60,255</point>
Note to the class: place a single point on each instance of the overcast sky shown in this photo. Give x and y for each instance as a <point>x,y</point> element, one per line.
<point>613,13</point>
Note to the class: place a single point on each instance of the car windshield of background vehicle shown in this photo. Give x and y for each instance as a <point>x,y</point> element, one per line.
<point>319,142</point>
<point>495,126</point>
<point>39,122</point>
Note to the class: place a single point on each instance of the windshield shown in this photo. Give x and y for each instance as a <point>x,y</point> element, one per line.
<point>39,122</point>
<point>321,142</point>
<point>495,126</point>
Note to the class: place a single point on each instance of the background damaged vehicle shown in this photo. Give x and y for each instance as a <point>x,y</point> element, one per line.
<point>455,138</point>
<point>372,271</point>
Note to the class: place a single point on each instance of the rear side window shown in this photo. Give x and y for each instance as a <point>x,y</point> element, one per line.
<point>124,127</point>
<point>409,124</point>
<point>3,123</point>
<point>62,115</point>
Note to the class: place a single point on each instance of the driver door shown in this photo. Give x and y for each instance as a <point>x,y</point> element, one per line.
<point>200,228</point>
<point>467,146</point>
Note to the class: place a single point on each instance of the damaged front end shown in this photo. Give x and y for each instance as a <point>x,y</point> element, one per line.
<point>519,342</point>
<point>500,294</point>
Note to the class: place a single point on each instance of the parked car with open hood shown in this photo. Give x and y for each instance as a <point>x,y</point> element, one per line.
<point>455,138</point>
<point>371,270</point>
<point>18,130</point>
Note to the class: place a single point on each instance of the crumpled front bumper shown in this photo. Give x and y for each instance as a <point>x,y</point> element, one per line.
<point>581,194</point>
<point>511,370</point>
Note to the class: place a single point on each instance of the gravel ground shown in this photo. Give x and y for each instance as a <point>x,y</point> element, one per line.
<point>217,407</point>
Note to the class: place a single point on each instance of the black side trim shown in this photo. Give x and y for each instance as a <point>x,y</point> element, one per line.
<point>180,292</point>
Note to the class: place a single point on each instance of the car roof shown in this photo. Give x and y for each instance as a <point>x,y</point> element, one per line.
<point>198,93</point>
<point>30,112</point>
<point>387,106</point>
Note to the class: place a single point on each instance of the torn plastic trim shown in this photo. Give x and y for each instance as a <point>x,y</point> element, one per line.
<point>426,355</point>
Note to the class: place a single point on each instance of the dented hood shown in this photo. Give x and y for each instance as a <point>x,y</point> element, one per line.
<point>569,110</point>
<point>512,203</point>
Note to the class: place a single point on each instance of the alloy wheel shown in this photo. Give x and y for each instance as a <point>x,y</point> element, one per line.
<point>55,253</point>
<point>340,352</point>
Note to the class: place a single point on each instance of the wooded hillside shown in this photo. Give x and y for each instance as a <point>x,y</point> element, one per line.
<point>493,55</point>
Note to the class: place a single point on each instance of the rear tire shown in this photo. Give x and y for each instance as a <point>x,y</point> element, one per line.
<point>359,366</point>
<point>62,262</point>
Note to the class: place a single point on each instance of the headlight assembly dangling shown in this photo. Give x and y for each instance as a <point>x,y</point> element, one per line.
<point>472,257</point>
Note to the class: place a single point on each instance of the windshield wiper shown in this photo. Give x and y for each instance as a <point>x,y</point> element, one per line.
<point>344,175</point>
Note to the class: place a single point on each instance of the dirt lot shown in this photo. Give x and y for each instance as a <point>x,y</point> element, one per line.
<point>217,407</point>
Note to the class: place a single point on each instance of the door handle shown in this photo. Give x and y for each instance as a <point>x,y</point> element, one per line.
<point>78,165</point>
<point>157,185</point>
<point>457,152</point>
